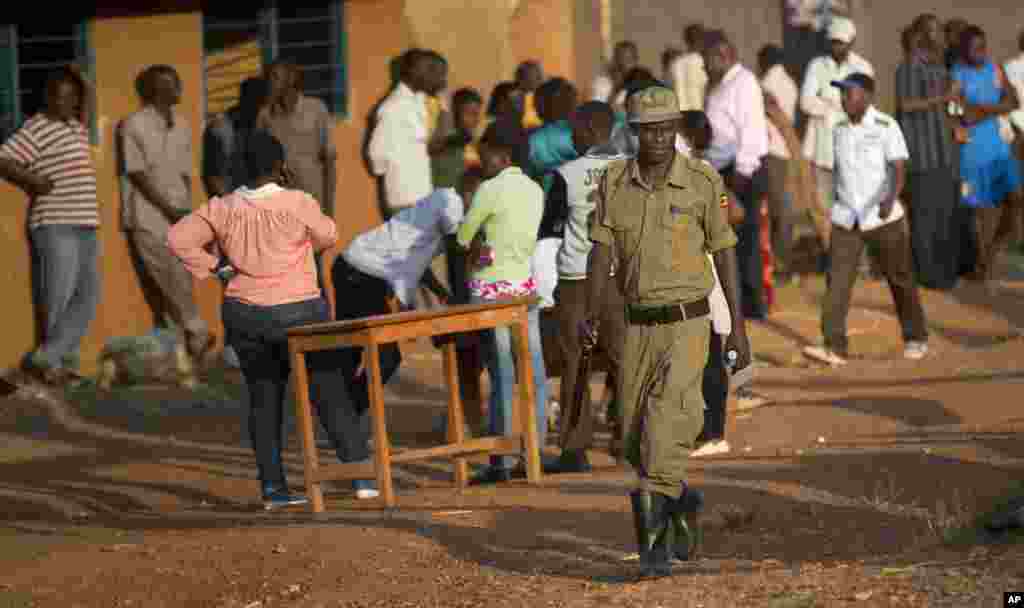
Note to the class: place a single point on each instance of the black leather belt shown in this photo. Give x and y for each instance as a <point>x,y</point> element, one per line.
<point>674,313</point>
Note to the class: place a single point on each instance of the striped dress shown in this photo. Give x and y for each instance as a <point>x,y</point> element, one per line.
<point>58,151</point>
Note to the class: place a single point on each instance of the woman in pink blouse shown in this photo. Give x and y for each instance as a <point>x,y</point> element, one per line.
<point>268,236</point>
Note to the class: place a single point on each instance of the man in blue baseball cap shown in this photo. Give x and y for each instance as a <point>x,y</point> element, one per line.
<point>870,159</point>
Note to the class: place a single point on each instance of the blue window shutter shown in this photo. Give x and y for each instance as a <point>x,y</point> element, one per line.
<point>339,44</point>
<point>10,101</point>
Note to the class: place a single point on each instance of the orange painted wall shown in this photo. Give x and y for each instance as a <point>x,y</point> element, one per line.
<point>543,30</point>
<point>377,31</point>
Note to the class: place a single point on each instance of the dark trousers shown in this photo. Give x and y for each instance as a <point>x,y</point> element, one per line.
<point>934,237</point>
<point>358,295</point>
<point>894,258</point>
<point>748,250</point>
<point>258,336</point>
<point>716,391</point>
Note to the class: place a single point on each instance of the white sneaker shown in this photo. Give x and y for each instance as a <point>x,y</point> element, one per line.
<point>711,448</point>
<point>365,489</point>
<point>824,355</point>
<point>915,351</point>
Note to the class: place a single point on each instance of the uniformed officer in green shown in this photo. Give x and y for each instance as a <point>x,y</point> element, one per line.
<point>657,216</point>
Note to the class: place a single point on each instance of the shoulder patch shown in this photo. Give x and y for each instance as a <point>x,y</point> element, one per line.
<point>723,201</point>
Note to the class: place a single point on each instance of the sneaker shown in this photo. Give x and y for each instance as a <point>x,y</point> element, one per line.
<point>915,351</point>
<point>282,499</point>
<point>825,355</point>
<point>365,489</point>
<point>711,448</point>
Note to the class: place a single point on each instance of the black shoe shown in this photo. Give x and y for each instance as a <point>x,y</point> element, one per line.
<point>686,523</point>
<point>491,476</point>
<point>652,519</point>
<point>571,461</point>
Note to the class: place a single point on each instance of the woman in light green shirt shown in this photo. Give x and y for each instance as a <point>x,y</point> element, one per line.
<point>507,209</point>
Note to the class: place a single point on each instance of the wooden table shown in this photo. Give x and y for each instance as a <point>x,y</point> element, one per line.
<point>370,333</point>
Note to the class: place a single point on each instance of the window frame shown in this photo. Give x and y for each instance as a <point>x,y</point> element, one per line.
<point>269,23</point>
<point>85,59</point>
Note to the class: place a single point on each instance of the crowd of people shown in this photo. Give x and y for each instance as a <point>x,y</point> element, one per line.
<point>652,221</point>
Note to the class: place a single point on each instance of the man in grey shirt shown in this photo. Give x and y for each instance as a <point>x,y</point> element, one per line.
<point>156,155</point>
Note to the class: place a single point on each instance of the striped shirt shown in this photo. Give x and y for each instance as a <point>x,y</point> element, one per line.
<point>929,137</point>
<point>58,151</point>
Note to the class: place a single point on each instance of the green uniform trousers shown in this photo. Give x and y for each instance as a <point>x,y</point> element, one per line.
<point>662,401</point>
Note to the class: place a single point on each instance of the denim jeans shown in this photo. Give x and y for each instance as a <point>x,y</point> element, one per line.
<point>258,335</point>
<point>65,264</point>
<point>501,366</point>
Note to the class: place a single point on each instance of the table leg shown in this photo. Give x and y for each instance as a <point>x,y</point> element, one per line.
<point>304,416</point>
<point>381,447</point>
<point>527,410</point>
<point>456,419</point>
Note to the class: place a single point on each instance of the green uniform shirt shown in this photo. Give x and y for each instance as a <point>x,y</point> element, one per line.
<point>660,237</point>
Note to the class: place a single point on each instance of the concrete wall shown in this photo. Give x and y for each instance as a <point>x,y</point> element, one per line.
<point>483,40</point>
<point>657,24</point>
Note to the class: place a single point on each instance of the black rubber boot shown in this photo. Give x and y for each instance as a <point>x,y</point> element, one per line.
<point>652,517</point>
<point>686,523</point>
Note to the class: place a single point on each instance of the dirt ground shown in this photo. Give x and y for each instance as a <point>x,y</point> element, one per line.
<point>857,486</point>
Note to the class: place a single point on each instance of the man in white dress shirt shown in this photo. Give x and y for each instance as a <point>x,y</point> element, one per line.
<point>870,159</point>
<point>398,146</point>
<point>735,107</point>
<point>392,260</point>
<point>822,102</point>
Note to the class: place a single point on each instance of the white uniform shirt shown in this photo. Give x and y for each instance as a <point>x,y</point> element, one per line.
<point>862,176</point>
<point>822,103</point>
<point>400,250</point>
<point>398,148</point>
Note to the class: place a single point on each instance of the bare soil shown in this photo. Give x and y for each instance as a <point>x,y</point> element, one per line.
<point>852,486</point>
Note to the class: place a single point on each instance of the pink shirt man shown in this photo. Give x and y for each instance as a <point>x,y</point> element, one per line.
<point>735,107</point>
<point>269,234</point>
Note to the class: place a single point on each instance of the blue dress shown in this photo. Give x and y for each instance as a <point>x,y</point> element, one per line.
<point>988,168</point>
